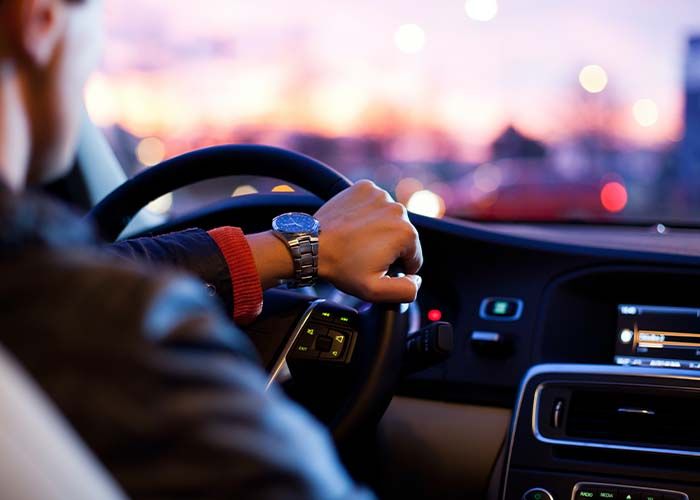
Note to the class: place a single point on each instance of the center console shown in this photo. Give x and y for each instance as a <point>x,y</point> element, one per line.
<point>629,432</point>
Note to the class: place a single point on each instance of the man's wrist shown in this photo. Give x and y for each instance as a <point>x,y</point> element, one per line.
<point>272,258</point>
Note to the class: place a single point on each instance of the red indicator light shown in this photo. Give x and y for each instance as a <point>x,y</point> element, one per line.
<point>613,196</point>
<point>435,315</point>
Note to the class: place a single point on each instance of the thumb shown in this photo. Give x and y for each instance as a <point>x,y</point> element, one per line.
<point>397,290</point>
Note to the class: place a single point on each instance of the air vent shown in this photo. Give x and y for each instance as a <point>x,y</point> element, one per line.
<point>630,416</point>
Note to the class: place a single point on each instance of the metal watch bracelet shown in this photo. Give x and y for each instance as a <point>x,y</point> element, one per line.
<point>304,250</point>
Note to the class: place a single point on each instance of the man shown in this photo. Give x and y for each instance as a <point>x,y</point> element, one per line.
<point>162,386</point>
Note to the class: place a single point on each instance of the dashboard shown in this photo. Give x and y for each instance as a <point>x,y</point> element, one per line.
<point>566,299</point>
<point>565,326</point>
<point>596,347</point>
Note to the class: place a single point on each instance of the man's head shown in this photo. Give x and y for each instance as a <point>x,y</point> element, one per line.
<point>48,48</point>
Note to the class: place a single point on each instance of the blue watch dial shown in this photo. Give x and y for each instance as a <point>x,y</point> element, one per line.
<point>295,222</point>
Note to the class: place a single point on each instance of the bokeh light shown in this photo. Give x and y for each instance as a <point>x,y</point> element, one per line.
<point>405,189</point>
<point>481,10</point>
<point>243,190</point>
<point>150,151</point>
<point>613,197</point>
<point>409,38</point>
<point>99,101</point>
<point>426,203</point>
<point>646,112</point>
<point>162,205</point>
<point>593,78</point>
<point>487,178</point>
<point>283,188</point>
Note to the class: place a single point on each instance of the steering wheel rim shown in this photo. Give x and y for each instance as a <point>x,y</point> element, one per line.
<point>370,397</point>
<point>111,215</point>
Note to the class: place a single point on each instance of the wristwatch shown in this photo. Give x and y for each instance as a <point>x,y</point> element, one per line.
<point>300,233</point>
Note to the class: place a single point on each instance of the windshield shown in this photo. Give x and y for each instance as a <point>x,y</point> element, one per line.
<point>485,109</point>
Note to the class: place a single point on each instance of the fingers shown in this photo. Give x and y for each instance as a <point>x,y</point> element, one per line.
<point>364,232</point>
<point>396,290</point>
<point>412,254</point>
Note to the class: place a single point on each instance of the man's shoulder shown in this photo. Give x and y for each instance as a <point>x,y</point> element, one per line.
<point>80,276</point>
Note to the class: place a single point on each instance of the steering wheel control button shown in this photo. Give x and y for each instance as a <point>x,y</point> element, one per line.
<point>501,309</point>
<point>343,319</point>
<point>325,316</point>
<point>324,344</point>
<point>303,352</point>
<point>306,345</point>
<point>337,348</point>
<point>537,494</point>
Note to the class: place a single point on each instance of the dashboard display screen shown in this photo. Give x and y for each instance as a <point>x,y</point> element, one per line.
<point>658,336</point>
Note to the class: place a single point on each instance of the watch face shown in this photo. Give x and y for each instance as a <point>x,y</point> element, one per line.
<point>295,222</point>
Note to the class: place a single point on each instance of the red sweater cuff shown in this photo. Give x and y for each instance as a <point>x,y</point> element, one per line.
<point>247,290</point>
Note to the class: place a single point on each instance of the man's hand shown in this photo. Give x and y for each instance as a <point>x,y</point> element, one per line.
<point>363,232</point>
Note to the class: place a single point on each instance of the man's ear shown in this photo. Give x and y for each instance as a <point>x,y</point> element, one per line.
<point>41,26</point>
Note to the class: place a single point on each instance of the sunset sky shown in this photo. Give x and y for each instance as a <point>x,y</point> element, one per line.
<point>177,68</point>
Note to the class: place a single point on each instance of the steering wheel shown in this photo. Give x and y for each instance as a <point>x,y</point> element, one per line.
<point>347,392</point>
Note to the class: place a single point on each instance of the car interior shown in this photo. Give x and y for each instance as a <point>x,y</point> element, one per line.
<point>545,358</point>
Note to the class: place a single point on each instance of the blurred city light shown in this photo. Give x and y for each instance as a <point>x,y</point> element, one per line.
<point>405,189</point>
<point>409,38</point>
<point>99,101</point>
<point>150,151</point>
<point>613,197</point>
<point>646,112</point>
<point>283,188</point>
<point>243,190</point>
<point>593,79</point>
<point>481,10</point>
<point>426,203</point>
<point>487,178</point>
<point>442,118</point>
<point>162,205</point>
<point>339,105</point>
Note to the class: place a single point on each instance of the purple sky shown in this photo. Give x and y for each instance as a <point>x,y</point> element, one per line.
<point>175,67</point>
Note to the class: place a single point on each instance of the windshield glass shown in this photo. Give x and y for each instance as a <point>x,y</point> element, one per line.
<point>485,109</point>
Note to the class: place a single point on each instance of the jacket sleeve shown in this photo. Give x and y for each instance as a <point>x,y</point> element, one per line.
<point>221,258</point>
<point>221,434</point>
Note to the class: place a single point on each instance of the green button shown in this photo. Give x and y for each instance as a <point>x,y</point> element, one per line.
<point>500,307</point>
<point>585,494</point>
<point>344,319</point>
